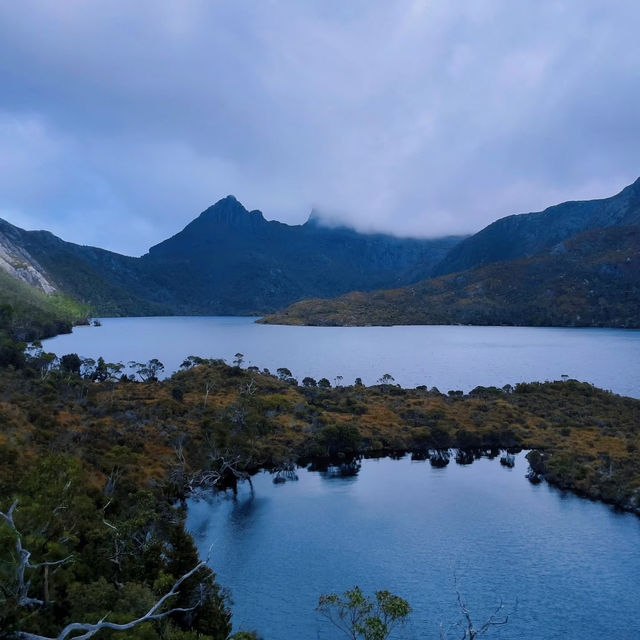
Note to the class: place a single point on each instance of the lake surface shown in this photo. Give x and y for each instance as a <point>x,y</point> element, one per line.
<point>572,565</point>
<point>447,357</point>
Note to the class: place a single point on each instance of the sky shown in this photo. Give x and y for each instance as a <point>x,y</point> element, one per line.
<point>121,121</point>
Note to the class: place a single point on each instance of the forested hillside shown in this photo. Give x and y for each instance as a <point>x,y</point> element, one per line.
<point>590,280</point>
<point>29,314</point>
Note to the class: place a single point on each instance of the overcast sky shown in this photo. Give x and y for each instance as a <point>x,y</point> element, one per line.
<point>120,121</point>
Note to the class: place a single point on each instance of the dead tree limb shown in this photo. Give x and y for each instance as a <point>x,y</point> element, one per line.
<point>87,630</point>
<point>24,563</point>
<point>90,630</point>
<point>469,630</point>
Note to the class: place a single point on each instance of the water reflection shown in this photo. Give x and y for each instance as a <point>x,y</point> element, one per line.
<point>342,470</point>
<point>572,564</point>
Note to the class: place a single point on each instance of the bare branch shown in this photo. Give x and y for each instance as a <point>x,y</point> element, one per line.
<point>24,563</point>
<point>104,520</point>
<point>469,630</point>
<point>154,613</point>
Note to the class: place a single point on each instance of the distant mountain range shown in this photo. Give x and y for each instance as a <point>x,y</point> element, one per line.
<point>227,261</point>
<point>574,264</point>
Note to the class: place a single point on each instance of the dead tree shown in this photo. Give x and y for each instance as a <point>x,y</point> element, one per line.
<point>468,628</point>
<point>90,630</point>
<point>223,467</point>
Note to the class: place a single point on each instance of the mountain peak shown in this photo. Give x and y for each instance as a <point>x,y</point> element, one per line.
<point>229,211</point>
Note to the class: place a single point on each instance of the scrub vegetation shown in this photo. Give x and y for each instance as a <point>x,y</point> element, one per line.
<point>94,465</point>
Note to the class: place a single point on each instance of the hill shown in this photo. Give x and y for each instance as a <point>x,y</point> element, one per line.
<point>591,280</point>
<point>110,283</point>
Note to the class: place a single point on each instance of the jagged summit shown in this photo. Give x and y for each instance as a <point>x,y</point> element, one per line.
<point>230,211</point>
<point>227,216</point>
<point>232,261</point>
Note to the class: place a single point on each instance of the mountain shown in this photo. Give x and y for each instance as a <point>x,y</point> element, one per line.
<point>589,280</point>
<point>226,261</point>
<point>524,235</point>
<point>230,260</point>
<point>572,264</point>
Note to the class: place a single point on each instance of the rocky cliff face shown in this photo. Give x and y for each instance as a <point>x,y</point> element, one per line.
<point>18,263</point>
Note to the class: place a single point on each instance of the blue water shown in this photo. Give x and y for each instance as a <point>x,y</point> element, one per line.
<point>573,566</point>
<point>447,357</point>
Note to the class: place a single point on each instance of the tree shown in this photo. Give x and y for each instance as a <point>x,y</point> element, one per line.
<point>386,380</point>
<point>192,595</point>
<point>323,383</point>
<point>284,374</point>
<point>41,360</point>
<point>191,361</point>
<point>309,382</point>
<point>87,367</point>
<point>466,625</point>
<point>238,359</point>
<point>361,617</point>
<point>208,386</point>
<point>70,363</point>
<point>147,372</point>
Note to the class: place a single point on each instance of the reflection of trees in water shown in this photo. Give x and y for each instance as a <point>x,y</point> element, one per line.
<point>463,456</point>
<point>244,507</point>
<point>286,472</point>
<point>329,471</point>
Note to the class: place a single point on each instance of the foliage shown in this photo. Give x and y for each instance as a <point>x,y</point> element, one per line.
<point>364,617</point>
<point>128,450</point>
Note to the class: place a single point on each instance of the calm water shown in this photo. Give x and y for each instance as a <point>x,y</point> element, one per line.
<point>447,357</point>
<point>572,565</point>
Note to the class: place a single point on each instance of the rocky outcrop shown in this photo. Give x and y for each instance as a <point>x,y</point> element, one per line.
<point>18,263</point>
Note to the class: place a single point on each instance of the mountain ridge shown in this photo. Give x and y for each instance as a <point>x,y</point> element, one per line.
<point>232,261</point>
<point>592,281</point>
<point>228,260</point>
<point>525,234</point>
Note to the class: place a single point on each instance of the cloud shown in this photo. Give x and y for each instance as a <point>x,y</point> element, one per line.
<point>121,121</point>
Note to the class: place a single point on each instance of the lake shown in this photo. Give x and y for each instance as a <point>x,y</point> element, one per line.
<point>447,357</point>
<point>572,565</point>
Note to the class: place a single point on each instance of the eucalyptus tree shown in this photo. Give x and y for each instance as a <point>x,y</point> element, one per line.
<point>362,617</point>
